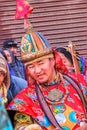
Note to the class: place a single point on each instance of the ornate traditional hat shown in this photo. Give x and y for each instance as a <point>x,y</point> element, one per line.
<point>34,47</point>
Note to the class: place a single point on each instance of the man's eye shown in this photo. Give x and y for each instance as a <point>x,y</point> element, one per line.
<point>30,67</point>
<point>40,63</point>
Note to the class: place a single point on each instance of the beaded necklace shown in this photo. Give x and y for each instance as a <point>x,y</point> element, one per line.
<point>56,96</point>
<point>60,96</point>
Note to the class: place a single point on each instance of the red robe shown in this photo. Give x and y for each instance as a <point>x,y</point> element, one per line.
<point>68,112</point>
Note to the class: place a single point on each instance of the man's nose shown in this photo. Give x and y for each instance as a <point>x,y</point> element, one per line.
<point>37,69</point>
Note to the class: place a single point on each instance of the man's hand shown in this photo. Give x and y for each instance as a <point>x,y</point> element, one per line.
<point>83,126</point>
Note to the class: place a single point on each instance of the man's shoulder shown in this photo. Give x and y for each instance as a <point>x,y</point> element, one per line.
<point>22,98</point>
<point>80,78</point>
<point>74,75</point>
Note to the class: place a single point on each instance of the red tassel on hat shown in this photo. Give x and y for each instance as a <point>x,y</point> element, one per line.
<point>58,62</point>
<point>23,9</point>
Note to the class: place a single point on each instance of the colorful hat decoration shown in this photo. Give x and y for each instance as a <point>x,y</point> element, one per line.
<point>34,47</point>
<point>23,9</point>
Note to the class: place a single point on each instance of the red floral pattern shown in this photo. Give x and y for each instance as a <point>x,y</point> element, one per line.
<point>26,102</point>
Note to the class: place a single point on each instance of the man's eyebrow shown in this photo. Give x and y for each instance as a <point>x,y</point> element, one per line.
<point>30,65</point>
<point>39,61</point>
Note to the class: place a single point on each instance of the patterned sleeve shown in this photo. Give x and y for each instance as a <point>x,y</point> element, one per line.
<point>82,81</point>
<point>84,87</point>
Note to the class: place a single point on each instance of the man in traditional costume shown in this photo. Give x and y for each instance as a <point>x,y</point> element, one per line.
<point>55,100</point>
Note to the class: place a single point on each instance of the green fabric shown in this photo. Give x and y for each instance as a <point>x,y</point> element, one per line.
<point>5,123</point>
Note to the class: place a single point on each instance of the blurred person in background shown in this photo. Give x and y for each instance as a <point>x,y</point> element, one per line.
<point>12,45</point>
<point>68,60</point>
<point>16,83</point>
<point>4,79</point>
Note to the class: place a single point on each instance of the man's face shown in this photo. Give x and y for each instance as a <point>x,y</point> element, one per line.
<point>42,71</point>
<point>14,50</point>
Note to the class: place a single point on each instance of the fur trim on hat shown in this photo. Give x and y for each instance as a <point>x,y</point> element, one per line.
<point>37,56</point>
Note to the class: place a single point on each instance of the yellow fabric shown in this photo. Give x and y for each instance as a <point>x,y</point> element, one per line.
<point>68,123</point>
<point>21,119</point>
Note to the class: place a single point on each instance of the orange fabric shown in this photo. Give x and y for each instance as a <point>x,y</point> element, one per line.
<point>37,41</point>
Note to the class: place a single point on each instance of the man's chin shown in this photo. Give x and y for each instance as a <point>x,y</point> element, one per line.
<point>42,81</point>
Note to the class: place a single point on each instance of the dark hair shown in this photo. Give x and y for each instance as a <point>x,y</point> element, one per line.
<point>10,52</point>
<point>66,53</point>
<point>4,55</point>
<point>9,43</point>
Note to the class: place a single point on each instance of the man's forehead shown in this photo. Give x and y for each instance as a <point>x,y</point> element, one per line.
<point>38,61</point>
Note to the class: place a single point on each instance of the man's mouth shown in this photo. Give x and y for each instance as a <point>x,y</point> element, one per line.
<point>41,76</point>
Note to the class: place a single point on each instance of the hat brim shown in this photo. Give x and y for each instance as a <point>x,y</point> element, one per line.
<point>30,58</point>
